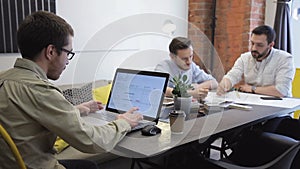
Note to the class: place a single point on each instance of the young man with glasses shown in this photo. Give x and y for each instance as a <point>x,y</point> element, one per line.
<point>35,112</point>
<point>266,70</point>
<point>181,63</point>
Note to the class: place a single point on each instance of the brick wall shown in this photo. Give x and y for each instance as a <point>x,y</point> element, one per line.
<point>235,20</point>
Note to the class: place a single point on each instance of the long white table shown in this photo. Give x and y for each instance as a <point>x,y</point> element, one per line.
<point>134,145</point>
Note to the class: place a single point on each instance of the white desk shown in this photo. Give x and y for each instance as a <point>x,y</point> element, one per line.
<point>134,145</point>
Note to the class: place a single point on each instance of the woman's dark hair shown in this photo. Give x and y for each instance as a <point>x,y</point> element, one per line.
<point>41,29</point>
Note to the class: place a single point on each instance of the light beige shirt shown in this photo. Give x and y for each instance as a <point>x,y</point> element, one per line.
<point>277,69</point>
<point>35,112</point>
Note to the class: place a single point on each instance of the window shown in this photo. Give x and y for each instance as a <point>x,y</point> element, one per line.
<point>12,12</point>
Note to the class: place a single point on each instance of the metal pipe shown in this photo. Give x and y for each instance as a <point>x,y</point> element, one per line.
<point>213,27</point>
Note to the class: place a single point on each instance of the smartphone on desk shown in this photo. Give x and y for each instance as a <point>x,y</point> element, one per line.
<point>271,98</point>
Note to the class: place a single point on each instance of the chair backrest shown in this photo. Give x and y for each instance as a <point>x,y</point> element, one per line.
<point>296,89</point>
<point>284,160</point>
<point>296,83</point>
<point>13,147</point>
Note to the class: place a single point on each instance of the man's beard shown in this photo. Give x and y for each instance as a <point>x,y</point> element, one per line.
<point>259,55</point>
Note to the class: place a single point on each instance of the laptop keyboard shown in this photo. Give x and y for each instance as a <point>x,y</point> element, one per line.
<point>109,116</point>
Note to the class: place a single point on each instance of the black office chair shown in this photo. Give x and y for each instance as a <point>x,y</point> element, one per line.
<point>286,126</point>
<point>261,151</point>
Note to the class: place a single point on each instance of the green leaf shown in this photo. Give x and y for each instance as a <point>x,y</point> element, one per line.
<point>184,78</point>
<point>181,86</point>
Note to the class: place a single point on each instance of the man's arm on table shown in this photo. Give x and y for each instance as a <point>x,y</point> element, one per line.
<point>199,88</point>
<point>264,90</point>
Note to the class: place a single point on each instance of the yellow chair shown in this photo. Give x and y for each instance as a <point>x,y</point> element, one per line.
<point>60,145</point>
<point>13,147</point>
<point>296,89</point>
<point>102,93</point>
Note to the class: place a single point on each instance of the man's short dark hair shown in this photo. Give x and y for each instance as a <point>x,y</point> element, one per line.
<point>179,43</point>
<point>265,30</point>
<point>41,29</point>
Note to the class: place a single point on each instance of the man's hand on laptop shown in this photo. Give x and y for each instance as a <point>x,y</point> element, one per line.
<point>131,116</point>
<point>89,107</point>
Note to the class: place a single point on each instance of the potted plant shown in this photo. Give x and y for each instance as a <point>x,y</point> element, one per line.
<point>182,99</point>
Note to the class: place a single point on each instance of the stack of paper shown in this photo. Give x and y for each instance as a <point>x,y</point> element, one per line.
<point>249,99</point>
<point>225,101</point>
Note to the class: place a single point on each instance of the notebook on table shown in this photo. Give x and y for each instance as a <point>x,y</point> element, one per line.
<point>134,88</point>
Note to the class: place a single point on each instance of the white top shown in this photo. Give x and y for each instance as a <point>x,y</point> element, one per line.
<point>277,69</point>
<point>194,74</point>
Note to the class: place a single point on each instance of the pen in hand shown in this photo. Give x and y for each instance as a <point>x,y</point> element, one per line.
<point>236,91</point>
<point>237,94</point>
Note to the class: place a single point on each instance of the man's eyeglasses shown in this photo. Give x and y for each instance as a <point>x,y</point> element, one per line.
<point>70,54</point>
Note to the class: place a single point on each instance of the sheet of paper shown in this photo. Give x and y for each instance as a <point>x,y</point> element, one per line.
<point>250,99</point>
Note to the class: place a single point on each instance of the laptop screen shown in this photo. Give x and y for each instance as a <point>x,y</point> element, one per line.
<point>134,88</point>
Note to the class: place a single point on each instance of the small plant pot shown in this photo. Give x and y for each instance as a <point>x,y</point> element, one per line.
<point>183,103</point>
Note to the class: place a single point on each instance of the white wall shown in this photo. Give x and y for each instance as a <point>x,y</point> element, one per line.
<point>295,22</point>
<point>7,60</point>
<point>108,33</point>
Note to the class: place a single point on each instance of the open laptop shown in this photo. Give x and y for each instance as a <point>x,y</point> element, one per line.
<point>136,88</point>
